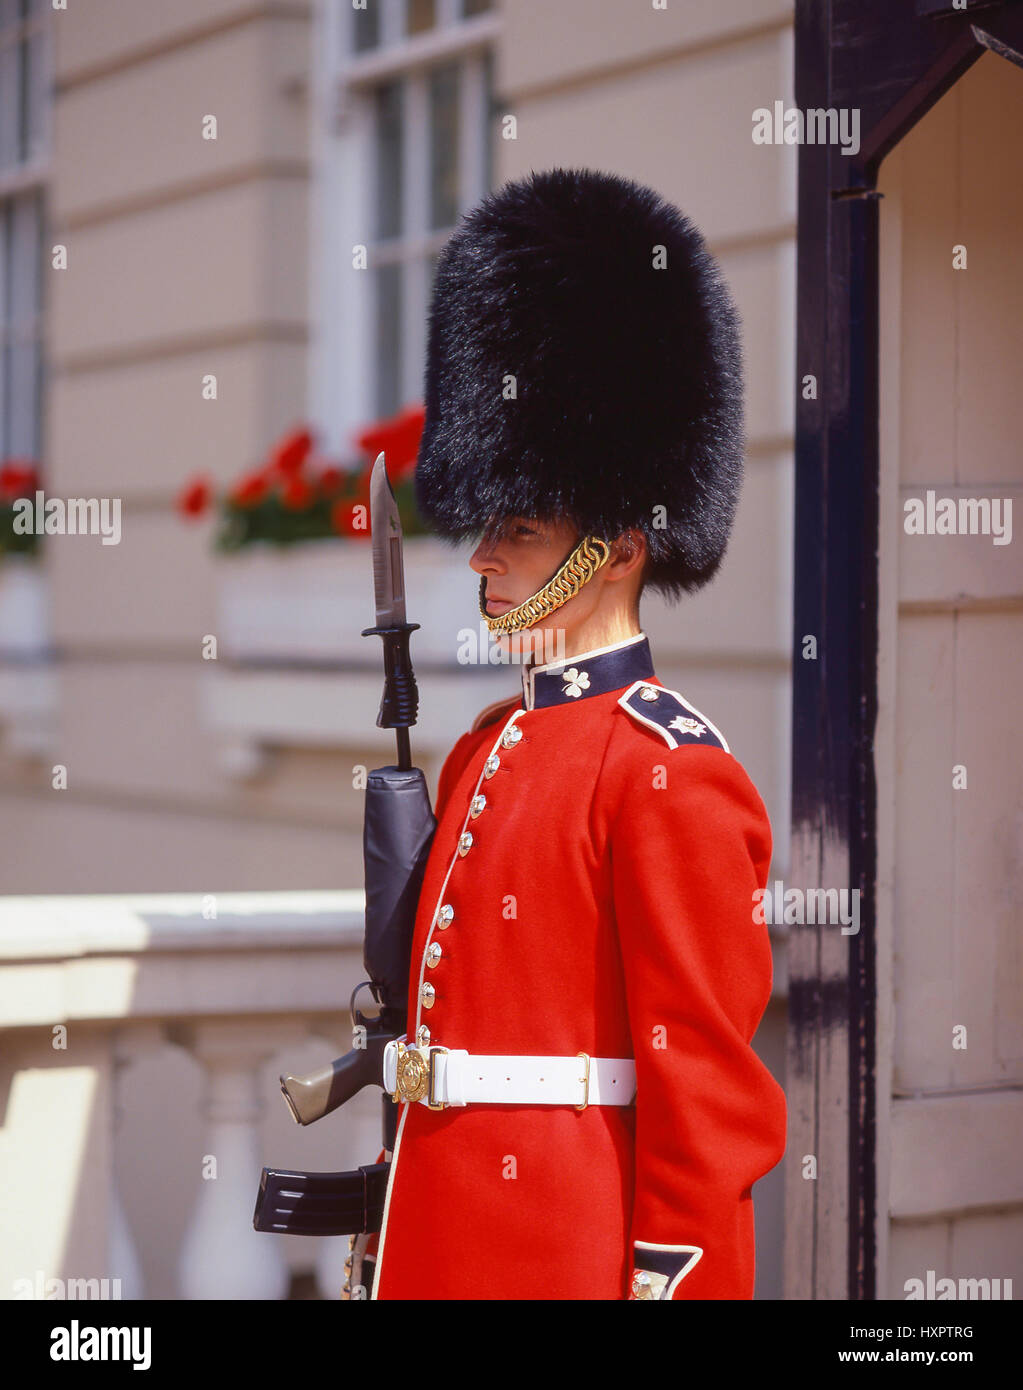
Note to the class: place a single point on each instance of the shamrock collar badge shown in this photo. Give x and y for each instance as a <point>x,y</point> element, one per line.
<point>575,682</point>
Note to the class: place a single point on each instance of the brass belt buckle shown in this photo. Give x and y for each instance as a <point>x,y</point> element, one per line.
<point>411,1075</point>
<point>414,1078</point>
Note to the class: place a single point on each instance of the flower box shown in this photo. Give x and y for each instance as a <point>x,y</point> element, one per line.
<point>24,619</point>
<point>309,603</point>
<point>295,671</point>
<point>28,682</point>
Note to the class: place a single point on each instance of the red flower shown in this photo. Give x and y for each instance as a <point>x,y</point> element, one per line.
<point>291,453</point>
<point>18,478</point>
<point>330,480</point>
<point>195,497</point>
<point>296,494</point>
<point>341,518</point>
<point>399,439</point>
<point>250,489</point>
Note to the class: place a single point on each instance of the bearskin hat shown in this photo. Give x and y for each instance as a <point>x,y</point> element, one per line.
<point>584,362</point>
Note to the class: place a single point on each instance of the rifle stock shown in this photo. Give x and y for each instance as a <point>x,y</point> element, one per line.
<point>312,1096</point>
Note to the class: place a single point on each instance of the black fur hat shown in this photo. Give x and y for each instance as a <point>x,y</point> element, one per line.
<point>628,378</point>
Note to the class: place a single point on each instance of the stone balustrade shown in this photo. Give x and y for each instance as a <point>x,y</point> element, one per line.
<point>96,989</point>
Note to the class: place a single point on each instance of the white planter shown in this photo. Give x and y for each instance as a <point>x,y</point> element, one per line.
<point>28,682</point>
<point>310,602</point>
<point>24,614</point>
<point>293,609</point>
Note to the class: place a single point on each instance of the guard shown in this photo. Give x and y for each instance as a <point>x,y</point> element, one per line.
<point>581,1113</point>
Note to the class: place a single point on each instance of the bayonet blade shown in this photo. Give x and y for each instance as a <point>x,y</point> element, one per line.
<point>388,552</point>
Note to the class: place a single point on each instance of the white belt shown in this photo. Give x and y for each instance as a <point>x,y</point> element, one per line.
<point>439,1076</point>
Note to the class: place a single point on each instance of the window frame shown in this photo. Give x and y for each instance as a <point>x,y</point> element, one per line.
<point>342,394</point>
<point>27,178</point>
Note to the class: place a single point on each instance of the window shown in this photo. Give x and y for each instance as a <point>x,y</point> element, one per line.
<point>405,114</point>
<point>24,142</point>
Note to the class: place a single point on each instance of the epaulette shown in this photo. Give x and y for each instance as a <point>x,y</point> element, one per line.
<point>669,715</point>
<point>493,712</point>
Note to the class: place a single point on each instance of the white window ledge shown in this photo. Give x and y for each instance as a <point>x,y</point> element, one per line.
<point>294,670</point>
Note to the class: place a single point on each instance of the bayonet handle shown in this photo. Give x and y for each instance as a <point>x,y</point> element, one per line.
<point>399,706</point>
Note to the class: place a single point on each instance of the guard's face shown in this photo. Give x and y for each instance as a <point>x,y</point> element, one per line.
<point>519,558</point>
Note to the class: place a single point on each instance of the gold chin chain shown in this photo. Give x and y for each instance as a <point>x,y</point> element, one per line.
<point>581,565</point>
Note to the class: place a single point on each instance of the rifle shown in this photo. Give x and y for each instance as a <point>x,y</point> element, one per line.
<point>398,830</point>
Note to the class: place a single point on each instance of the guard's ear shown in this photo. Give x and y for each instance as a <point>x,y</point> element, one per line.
<point>628,551</point>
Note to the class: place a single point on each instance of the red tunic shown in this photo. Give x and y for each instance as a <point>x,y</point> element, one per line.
<point>605,906</point>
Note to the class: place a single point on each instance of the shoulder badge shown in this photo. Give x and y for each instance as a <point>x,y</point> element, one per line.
<point>670,716</point>
<point>493,712</point>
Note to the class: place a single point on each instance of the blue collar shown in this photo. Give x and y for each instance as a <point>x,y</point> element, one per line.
<point>587,673</point>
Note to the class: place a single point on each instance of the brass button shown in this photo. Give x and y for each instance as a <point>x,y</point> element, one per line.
<point>511,736</point>
<point>465,843</point>
<point>648,693</point>
<point>434,954</point>
<point>429,996</point>
<point>477,806</point>
<point>445,916</point>
<point>422,1036</point>
<point>491,765</point>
